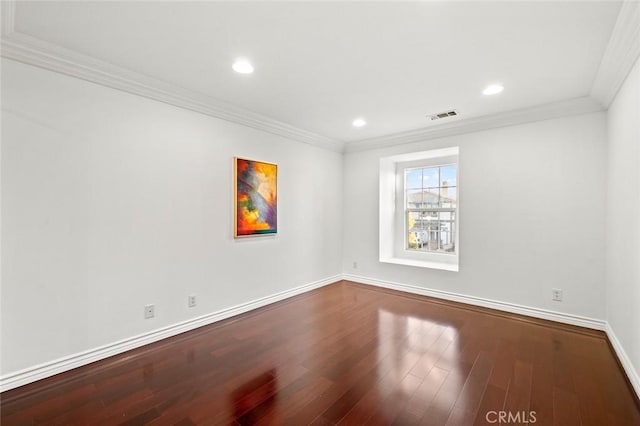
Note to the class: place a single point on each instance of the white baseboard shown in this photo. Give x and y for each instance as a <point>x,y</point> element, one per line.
<point>486,303</point>
<point>41,371</point>
<point>628,367</point>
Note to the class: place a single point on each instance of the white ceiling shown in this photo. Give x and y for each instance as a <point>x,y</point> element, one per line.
<point>319,65</point>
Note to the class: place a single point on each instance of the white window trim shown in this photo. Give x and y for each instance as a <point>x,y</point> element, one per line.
<point>392,238</point>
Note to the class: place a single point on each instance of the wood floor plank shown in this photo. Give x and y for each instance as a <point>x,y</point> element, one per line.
<point>421,399</point>
<point>501,374</point>
<point>470,397</point>
<point>442,404</point>
<point>519,392</point>
<point>562,377</point>
<point>492,403</point>
<point>542,382</point>
<point>591,401</point>
<point>432,355</point>
<point>394,403</point>
<point>345,354</point>
<point>566,408</point>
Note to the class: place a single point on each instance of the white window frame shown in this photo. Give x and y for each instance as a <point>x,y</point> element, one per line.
<point>393,246</point>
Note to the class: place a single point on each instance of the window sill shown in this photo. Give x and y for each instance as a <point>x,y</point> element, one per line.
<point>453,267</point>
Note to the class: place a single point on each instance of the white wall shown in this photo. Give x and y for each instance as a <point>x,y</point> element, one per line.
<point>623,217</point>
<point>112,201</point>
<point>531,215</point>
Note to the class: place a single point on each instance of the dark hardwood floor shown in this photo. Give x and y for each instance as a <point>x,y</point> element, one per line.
<point>346,354</point>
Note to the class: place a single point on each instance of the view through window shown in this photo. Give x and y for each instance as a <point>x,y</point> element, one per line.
<point>430,208</point>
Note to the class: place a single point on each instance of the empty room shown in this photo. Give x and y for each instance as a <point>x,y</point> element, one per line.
<point>320,212</point>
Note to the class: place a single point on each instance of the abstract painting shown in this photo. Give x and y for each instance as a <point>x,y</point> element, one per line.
<point>256,190</point>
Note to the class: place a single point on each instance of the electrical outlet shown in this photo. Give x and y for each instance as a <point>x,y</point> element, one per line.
<point>192,300</point>
<point>556,294</point>
<point>149,311</point>
<point>355,265</point>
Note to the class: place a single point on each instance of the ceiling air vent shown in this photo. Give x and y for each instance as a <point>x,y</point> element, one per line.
<point>445,114</point>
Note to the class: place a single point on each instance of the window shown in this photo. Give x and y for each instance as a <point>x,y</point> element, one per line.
<point>419,209</point>
<point>430,208</point>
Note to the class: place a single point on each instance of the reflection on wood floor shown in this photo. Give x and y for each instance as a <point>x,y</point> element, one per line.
<point>347,354</point>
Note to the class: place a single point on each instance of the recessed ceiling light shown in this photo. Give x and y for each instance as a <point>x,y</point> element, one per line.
<point>242,66</point>
<point>493,89</point>
<point>359,122</point>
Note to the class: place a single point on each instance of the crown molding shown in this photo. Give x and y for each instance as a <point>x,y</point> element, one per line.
<point>32,51</point>
<point>510,118</point>
<point>621,54</point>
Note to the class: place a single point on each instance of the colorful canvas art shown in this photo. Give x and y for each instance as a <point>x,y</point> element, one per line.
<point>255,198</point>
